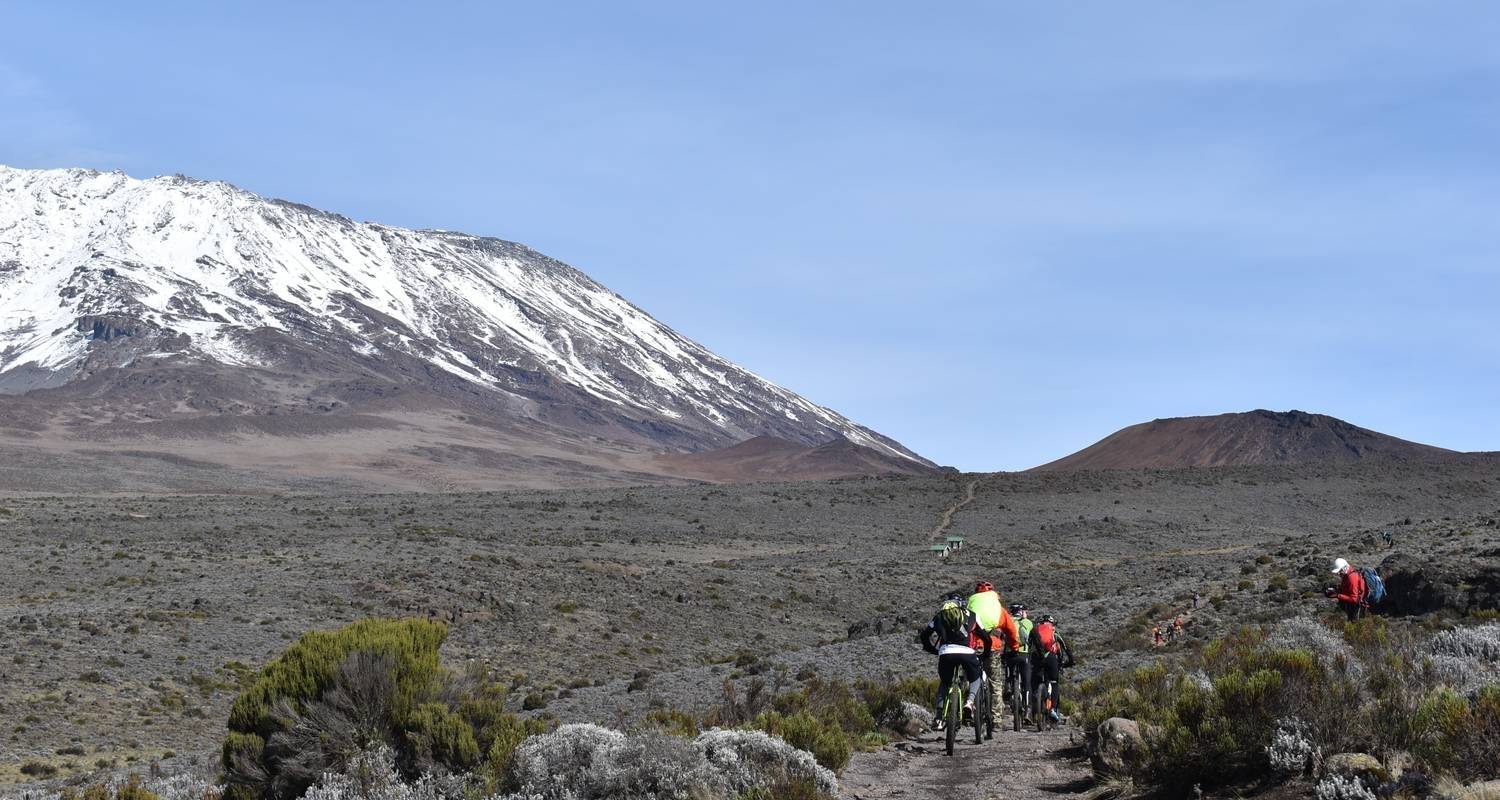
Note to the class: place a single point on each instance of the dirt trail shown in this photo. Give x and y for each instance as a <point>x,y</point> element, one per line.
<point>947,520</point>
<point>1024,764</point>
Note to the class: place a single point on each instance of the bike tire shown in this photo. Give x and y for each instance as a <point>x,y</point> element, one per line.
<point>955,716</point>
<point>978,711</point>
<point>989,713</point>
<point>1015,707</point>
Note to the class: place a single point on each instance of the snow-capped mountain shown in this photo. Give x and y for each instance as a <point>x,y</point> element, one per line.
<point>280,309</point>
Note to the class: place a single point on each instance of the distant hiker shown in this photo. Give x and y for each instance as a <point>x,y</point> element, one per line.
<point>1177,625</point>
<point>1195,601</point>
<point>1350,593</point>
<point>1156,635</point>
<point>991,615</point>
<point>1390,539</point>
<point>954,634</point>
<point>1171,632</point>
<point>1050,653</point>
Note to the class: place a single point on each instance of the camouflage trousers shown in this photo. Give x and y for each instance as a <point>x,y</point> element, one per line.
<point>994,672</point>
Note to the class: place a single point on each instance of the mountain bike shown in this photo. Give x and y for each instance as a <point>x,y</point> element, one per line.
<point>958,689</point>
<point>1015,697</point>
<point>1046,704</point>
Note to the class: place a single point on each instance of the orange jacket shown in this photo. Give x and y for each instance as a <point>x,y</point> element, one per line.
<point>1005,636</point>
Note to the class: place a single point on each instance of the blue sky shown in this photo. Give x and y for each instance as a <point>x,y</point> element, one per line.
<point>995,231</point>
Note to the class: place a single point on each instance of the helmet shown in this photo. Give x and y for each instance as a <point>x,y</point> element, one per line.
<point>954,597</point>
<point>983,586</point>
<point>1016,608</point>
<point>1047,618</point>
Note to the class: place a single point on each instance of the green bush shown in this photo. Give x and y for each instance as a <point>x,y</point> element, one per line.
<point>500,741</point>
<point>437,735</point>
<point>825,740</point>
<point>332,695</point>
<point>304,671</point>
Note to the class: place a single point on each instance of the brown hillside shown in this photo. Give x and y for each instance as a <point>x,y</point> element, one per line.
<point>1249,438</point>
<point>766,458</point>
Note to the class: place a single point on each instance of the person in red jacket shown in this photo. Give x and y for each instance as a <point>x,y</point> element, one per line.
<point>1350,593</point>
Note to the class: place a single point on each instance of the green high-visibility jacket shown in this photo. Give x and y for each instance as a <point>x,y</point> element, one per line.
<point>986,606</point>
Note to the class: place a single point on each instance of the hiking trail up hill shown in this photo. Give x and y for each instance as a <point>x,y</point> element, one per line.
<point>947,519</point>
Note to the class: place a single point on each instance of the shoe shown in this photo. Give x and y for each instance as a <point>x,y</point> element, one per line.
<point>937,725</point>
<point>1054,716</point>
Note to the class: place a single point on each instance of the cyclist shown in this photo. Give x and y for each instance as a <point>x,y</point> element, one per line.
<point>992,616</point>
<point>1018,659</point>
<point>1050,654</point>
<point>954,634</point>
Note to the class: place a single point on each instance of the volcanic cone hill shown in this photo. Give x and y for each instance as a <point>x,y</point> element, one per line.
<point>1244,439</point>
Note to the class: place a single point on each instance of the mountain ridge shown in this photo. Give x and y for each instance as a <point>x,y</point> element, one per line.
<point>193,304</point>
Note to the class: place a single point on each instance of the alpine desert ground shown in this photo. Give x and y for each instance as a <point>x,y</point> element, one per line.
<point>133,620</point>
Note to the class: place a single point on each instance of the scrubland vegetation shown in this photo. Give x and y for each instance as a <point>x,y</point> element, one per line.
<point>1355,710</point>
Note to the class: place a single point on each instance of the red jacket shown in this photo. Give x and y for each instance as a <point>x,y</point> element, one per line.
<point>1351,587</point>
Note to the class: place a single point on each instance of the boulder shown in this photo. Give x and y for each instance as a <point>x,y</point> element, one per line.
<point>1362,766</point>
<point>913,720</point>
<point>1116,745</point>
<point>1420,586</point>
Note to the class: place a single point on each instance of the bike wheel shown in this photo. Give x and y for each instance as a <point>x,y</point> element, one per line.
<point>978,708</point>
<point>987,713</point>
<point>955,715</point>
<point>1016,704</point>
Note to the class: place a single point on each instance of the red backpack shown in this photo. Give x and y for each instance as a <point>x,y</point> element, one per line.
<point>1048,640</point>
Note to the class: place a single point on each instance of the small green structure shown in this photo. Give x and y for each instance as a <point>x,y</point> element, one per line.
<point>955,542</point>
<point>940,549</point>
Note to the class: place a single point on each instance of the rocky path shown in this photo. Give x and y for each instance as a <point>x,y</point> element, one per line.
<point>1024,764</point>
<point>947,519</point>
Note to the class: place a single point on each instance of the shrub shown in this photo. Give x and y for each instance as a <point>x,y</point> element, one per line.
<point>1291,750</point>
<point>306,669</point>
<point>38,769</point>
<point>372,775</point>
<point>440,737</point>
<point>1278,700</point>
<point>500,740</point>
<point>825,740</point>
<point>586,762</point>
<point>372,687</point>
<point>751,760</point>
<point>1342,787</point>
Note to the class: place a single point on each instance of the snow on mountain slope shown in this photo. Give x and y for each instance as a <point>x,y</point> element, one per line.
<point>99,270</point>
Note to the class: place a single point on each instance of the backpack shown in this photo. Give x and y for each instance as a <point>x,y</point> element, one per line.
<point>1023,632</point>
<point>1045,635</point>
<point>953,618</point>
<point>1374,586</point>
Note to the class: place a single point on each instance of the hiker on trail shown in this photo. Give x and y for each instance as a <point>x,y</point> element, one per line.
<point>954,634</point>
<point>1177,626</point>
<point>991,615</point>
<point>1156,635</point>
<point>1350,593</point>
<point>1018,659</point>
<point>1195,601</point>
<point>1171,632</point>
<point>1390,539</point>
<point>1050,654</point>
